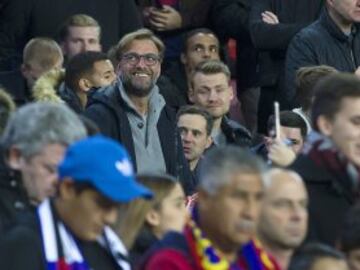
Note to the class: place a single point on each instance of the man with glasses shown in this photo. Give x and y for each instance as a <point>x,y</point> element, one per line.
<point>133,112</point>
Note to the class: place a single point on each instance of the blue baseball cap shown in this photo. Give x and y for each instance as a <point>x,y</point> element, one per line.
<point>105,164</point>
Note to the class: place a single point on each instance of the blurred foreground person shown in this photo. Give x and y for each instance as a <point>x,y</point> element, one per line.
<point>223,220</point>
<point>283,218</point>
<point>72,230</point>
<point>33,143</point>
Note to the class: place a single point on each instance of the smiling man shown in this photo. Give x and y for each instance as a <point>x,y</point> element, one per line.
<point>133,112</point>
<point>330,163</point>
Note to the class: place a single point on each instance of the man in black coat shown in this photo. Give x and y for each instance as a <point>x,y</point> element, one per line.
<point>134,113</point>
<point>273,23</point>
<point>33,144</point>
<point>330,163</point>
<point>21,20</point>
<point>333,40</point>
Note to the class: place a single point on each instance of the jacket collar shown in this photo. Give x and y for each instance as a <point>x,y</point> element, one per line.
<point>328,23</point>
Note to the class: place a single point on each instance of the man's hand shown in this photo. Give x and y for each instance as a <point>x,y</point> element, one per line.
<point>164,19</point>
<point>280,154</point>
<point>269,17</point>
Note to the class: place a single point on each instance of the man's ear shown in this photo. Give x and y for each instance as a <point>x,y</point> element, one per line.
<point>25,70</point>
<point>153,218</point>
<point>190,93</point>
<point>67,189</point>
<point>209,141</point>
<point>324,125</point>
<point>84,85</point>
<point>14,158</point>
<point>231,91</point>
<point>183,59</point>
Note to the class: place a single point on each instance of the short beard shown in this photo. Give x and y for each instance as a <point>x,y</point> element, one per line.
<point>135,89</point>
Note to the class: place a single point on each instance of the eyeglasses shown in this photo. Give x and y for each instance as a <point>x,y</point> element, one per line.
<point>150,59</point>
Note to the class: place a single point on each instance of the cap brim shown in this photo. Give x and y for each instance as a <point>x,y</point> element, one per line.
<point>125,192</point>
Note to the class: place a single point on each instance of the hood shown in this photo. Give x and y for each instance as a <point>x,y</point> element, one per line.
<point>46,87</point>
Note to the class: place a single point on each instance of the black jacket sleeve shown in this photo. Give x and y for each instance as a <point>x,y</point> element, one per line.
<point>270,36</point>
<point>300,54</point>
<point>104,119</point>
<point>129,17</point>
<point>14,23</point>
<point>231,18</point>
<point>20,249</point>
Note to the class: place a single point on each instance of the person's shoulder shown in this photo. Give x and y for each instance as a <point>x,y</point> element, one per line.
<point>169,258</point>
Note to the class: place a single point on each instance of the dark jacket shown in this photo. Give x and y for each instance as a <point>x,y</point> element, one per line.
<point>171,93</point>
<point>235,133</point>
<point>230,19</point>
<point>14,202</point>
<point>15,84</point>
<point>272,40</point>
<point>21,20</point>
<point>106,109</point>
<point>193,12</point>
<point>22,248</point>
<point>322,43</point>
<point>330,197</point>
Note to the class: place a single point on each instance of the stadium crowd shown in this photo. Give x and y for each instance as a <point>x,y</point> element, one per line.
<point>180,135</point>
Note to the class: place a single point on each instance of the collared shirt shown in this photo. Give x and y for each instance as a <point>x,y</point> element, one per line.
<point>147,145</point>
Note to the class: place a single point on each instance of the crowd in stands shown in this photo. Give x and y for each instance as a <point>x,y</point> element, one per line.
<point>180,135</point>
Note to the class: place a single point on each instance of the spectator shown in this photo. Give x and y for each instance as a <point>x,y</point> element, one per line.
<point>170,19</point>
<point>306,79</point>
<point>330,161</point>
<point>195,126</point>
<point>349,238</point>
<point>212,91</point>
<point>167,88</point>
<point>231,20</point>
<point>21,20</point>
<point>273,24</point>
<point>146,222</point>
<point>85,71</point>
<point>283,151</point>
<point>33,143</point>
<point>198,45</point>
<point>318,257</point>
<point>223,220</point>
<point>283,217</point>
<point>332,40</point>
<point>40,55</point>
<point>79,33</point>
<point>72,230</point>
<point>133,112</point>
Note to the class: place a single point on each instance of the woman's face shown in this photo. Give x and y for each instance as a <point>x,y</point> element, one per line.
<point>171,215</point>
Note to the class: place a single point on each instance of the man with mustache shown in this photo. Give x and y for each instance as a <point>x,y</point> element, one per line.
<point>283,217</point>
<point>133,112</point>
<point>223,219</point>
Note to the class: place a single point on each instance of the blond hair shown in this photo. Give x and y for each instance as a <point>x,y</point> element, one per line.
<point>43,52</point>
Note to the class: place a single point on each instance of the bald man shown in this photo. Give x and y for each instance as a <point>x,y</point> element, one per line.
<point>284,215</point>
